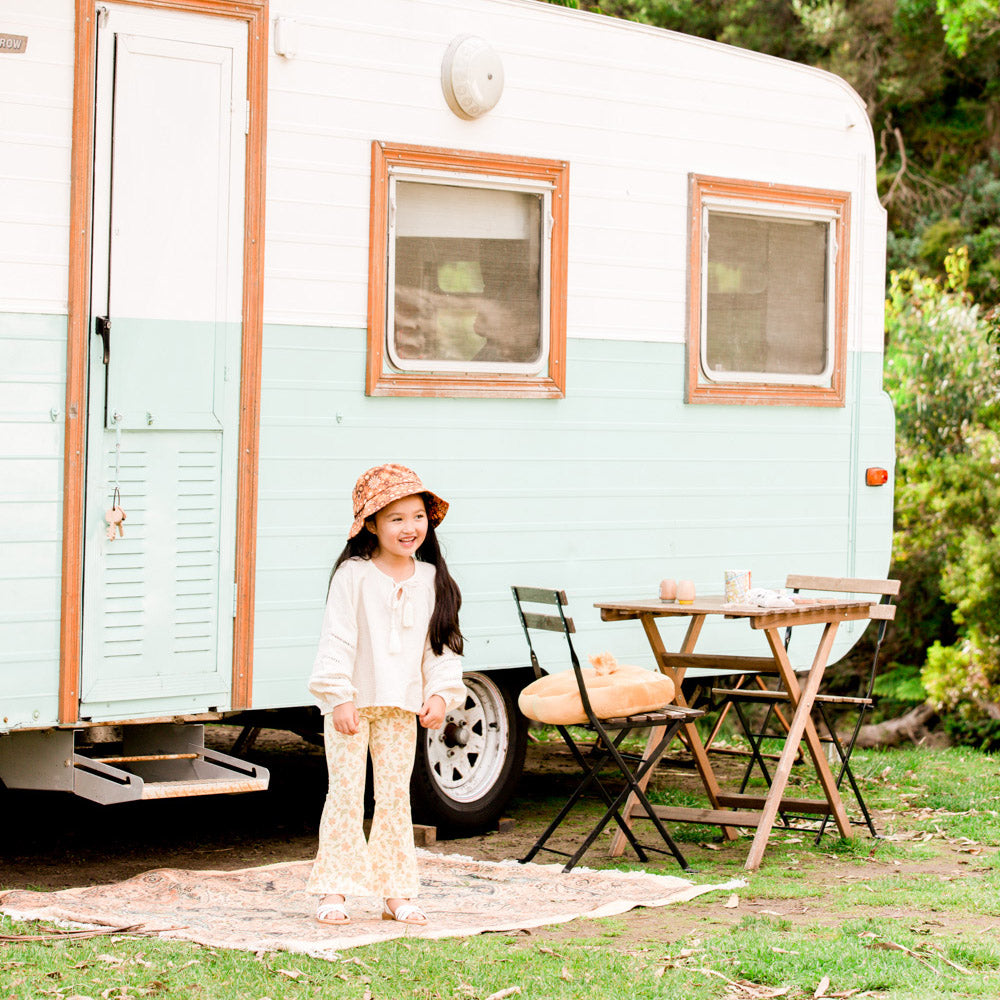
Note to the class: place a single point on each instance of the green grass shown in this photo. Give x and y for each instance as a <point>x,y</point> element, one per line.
<point>861,954</point>
<point>915,915</point>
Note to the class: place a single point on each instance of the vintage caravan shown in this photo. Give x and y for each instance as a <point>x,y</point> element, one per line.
<point>614,292</point>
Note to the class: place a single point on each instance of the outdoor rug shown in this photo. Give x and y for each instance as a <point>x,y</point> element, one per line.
<point>266,909</point>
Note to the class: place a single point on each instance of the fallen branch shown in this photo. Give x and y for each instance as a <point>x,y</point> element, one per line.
<point>912,727</point>
<point>77,935</point>
<point>948,961</point>
<point>892,946</point>
<point>751,991</point>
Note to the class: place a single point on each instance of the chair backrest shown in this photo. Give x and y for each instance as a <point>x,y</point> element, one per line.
<point>883,611</point>
<point>544,621</point>
<point>540,621</point>
<point>885,589</point>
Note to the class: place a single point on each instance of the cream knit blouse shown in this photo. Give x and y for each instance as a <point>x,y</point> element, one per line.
<point>374,649</point>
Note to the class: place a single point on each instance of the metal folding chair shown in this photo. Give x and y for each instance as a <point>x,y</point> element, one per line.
<point>825,704</point>
<point>610,733</point>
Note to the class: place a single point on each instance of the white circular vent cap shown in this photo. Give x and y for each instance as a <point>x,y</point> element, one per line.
<point>471,76</point>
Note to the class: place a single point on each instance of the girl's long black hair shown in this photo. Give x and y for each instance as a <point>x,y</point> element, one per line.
<point>444,629</point>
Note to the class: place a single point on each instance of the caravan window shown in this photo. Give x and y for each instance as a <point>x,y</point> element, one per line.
<point>466,294</point>
<point>465,269</point>
<point>768,300</point>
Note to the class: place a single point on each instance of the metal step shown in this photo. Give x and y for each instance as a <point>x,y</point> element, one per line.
<point>202,786</point>
<point>163,761</point>
<point>134,762</point>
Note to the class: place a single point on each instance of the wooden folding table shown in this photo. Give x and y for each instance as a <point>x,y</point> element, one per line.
<point>729,809</point>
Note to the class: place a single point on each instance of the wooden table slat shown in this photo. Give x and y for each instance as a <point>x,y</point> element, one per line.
<point>735,800</point>
<point>802,614</point>
<point>721,662</point>
<point>713,817</point>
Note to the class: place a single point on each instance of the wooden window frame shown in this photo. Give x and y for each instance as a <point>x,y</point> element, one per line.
<point>255,14</point>
<point>699,390</point>
<point>381,380</point>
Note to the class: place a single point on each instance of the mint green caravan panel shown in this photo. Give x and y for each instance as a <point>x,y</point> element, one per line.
<point>168,374</point>
<point>874,504</point>
<point>32,403</point>
<point>602,493</point>
<point>158,595</point>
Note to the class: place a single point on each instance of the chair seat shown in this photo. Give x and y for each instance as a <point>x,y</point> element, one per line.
<point>748,694</point>
<point>666,714</point>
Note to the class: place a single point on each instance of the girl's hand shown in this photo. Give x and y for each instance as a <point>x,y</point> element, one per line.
<point>432,714</point>
<point>346,719</point>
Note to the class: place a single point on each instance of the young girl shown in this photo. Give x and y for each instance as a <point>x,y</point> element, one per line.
<point>388,655</point>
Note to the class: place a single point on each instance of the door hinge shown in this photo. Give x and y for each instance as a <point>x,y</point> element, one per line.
<point>236,597</point>
<point>246,123</point>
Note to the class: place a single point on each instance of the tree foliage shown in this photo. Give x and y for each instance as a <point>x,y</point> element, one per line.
<point>929,73</point>
<point>967,22</point>
<point>940,361</point>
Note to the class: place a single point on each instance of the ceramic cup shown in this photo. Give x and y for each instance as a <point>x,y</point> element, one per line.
<point>668,590</point>
<point>685,591</point>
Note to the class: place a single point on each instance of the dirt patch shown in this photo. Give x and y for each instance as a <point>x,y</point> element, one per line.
<point>814,870</point>
<point>50,841</point>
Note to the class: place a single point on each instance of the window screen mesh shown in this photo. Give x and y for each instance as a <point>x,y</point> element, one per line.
<point>767,293</point>
<point>467,276</point>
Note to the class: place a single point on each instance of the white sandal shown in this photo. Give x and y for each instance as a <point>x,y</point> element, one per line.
<point>405,913</point>
<point>332,913</point>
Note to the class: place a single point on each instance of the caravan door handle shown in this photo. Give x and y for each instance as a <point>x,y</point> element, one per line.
<point>103,324</point>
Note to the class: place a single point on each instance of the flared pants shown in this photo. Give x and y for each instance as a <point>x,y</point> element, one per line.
<point>385,865</point>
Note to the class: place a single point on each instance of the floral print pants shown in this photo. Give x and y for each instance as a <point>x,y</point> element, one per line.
<point>385,865</point>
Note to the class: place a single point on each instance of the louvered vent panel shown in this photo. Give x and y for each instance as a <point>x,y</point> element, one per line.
<point>160,602</point>
<point>126,570</point>
<point>197,567</point>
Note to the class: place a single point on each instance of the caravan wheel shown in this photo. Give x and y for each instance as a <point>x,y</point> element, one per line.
<point>465,773</point>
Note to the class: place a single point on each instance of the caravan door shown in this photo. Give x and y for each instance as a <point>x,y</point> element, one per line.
<point>168,204</point>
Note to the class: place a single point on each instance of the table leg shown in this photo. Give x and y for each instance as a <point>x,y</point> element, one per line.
<point>691,734</point>
<point>813,743</point>
<point>801,726</point>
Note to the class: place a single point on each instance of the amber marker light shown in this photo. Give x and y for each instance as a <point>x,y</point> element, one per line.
<point>876,477</point>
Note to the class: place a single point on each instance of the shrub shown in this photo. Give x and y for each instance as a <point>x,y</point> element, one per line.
<point>942,372</point>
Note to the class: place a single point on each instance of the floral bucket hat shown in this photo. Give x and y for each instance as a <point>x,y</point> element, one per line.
<point>380,486</point>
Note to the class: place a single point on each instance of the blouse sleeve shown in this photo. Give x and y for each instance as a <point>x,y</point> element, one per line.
<point>332,679</point>
<point>443,676</point>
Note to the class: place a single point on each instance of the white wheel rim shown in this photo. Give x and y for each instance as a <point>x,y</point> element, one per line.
<point>466,756</point>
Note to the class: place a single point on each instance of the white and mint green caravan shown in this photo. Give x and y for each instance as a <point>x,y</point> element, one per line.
<point>615,292</point>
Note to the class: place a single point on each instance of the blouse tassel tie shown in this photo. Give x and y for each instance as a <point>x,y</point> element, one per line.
<point>400,615</point>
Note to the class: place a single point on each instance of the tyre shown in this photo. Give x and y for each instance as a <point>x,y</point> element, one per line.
<point>465,773</point>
